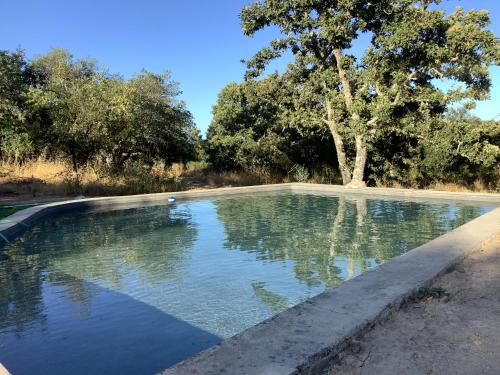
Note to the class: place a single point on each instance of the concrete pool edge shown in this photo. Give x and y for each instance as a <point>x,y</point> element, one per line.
<point>302,339</point>
<point>399,193</point>
<point>308,334</point>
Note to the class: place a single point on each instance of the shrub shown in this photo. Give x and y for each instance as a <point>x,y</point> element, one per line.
<point>300,173</point>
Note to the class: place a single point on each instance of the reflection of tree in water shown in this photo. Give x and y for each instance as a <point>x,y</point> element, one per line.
<point>314,232</point>
<point>273,300</point>
<point>76,290</point>
<point>152,242</point>
<point>21,280</point>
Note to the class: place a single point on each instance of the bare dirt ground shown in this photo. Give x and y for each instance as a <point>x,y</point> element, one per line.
<point>457,333</point>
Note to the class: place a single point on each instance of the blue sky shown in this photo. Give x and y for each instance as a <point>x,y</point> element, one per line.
<point>200,41</point>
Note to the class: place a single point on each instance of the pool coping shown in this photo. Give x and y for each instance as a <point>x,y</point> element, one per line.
<point>303,338</point>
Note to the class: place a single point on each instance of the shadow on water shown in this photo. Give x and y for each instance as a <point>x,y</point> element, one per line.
<point>71,326</point>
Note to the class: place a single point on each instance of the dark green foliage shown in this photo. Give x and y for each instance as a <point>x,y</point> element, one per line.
<point>151,123</point>
<point>15,139</point>
<point>457,148</point>
<point>425,293</point>
<point>253,129</point>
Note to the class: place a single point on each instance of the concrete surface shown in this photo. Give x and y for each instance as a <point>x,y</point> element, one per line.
<point>3,370</point>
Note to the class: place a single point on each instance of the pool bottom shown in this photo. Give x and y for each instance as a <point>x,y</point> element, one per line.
<point>108,328</point>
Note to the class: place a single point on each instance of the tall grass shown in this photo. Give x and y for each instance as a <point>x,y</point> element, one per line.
<point>41,177</point>
<point>54,177</point>
<point>38,177</point>
<point>475,187</point>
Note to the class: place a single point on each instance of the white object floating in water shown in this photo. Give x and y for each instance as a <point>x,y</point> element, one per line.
<point>171,199</point>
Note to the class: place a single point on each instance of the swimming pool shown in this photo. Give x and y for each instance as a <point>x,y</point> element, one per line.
<point>137,290</point>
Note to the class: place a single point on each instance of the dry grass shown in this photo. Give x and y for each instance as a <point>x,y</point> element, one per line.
<point>49,178</point>
<point>41,169</point>
<point>476,187</point>
<point>41,178</point>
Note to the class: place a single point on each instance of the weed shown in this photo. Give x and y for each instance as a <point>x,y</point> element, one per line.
<point>426,293</point>
<point>300,173</point>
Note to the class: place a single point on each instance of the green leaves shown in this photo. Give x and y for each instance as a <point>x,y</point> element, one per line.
<point>14,81</point>
<point>60,105</point>
<point>260,125</point>
<point>419,62</point>
<point>15,146</point>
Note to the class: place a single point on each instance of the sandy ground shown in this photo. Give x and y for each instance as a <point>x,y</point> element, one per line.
<point>458,333</point>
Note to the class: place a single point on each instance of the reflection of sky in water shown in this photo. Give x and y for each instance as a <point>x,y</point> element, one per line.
<point>177,279</point>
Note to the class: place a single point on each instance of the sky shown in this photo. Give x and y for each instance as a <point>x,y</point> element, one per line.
<point>199,41</point>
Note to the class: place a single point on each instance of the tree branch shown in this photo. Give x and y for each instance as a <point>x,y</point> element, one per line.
<point>440,74</point>
<point>373,121</point>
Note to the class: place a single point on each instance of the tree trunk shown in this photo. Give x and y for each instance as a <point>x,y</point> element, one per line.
<point>74,166</point>
<point>342,160</point>
<point>361,211</point>
<point>339,145</point>
<point>361,153</point>
<point>336,231</point>
<point>360,163</point>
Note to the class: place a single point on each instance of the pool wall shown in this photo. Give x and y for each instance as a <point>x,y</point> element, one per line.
<point>303,338</point>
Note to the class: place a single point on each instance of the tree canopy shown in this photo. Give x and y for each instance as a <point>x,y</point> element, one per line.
<point>413,51</point>
<point>61,105</point>
<point>253,129</point>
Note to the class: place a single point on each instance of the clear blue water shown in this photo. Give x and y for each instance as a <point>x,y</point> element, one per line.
<point>134,291</point>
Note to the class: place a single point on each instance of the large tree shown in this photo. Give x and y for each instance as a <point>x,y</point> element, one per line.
<point>413,49</point>
<point>14,83</point>
<point>96,115</point>
<point>75,94</point>
<point>149,122</point>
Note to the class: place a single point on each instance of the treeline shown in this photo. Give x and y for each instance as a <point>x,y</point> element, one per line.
<point>385,109</point>
<point>394,113</point>
<point>258,126</point>
<point>57,106</point>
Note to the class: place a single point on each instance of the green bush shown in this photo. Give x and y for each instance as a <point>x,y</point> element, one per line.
<point>15,147</point>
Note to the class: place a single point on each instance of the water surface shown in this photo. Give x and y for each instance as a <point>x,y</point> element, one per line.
<point>137,290</point>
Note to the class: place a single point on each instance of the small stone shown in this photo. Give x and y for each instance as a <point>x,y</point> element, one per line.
<point>355,347</point>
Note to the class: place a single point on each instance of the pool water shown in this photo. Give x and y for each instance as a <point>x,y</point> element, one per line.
<point>135,291</point>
